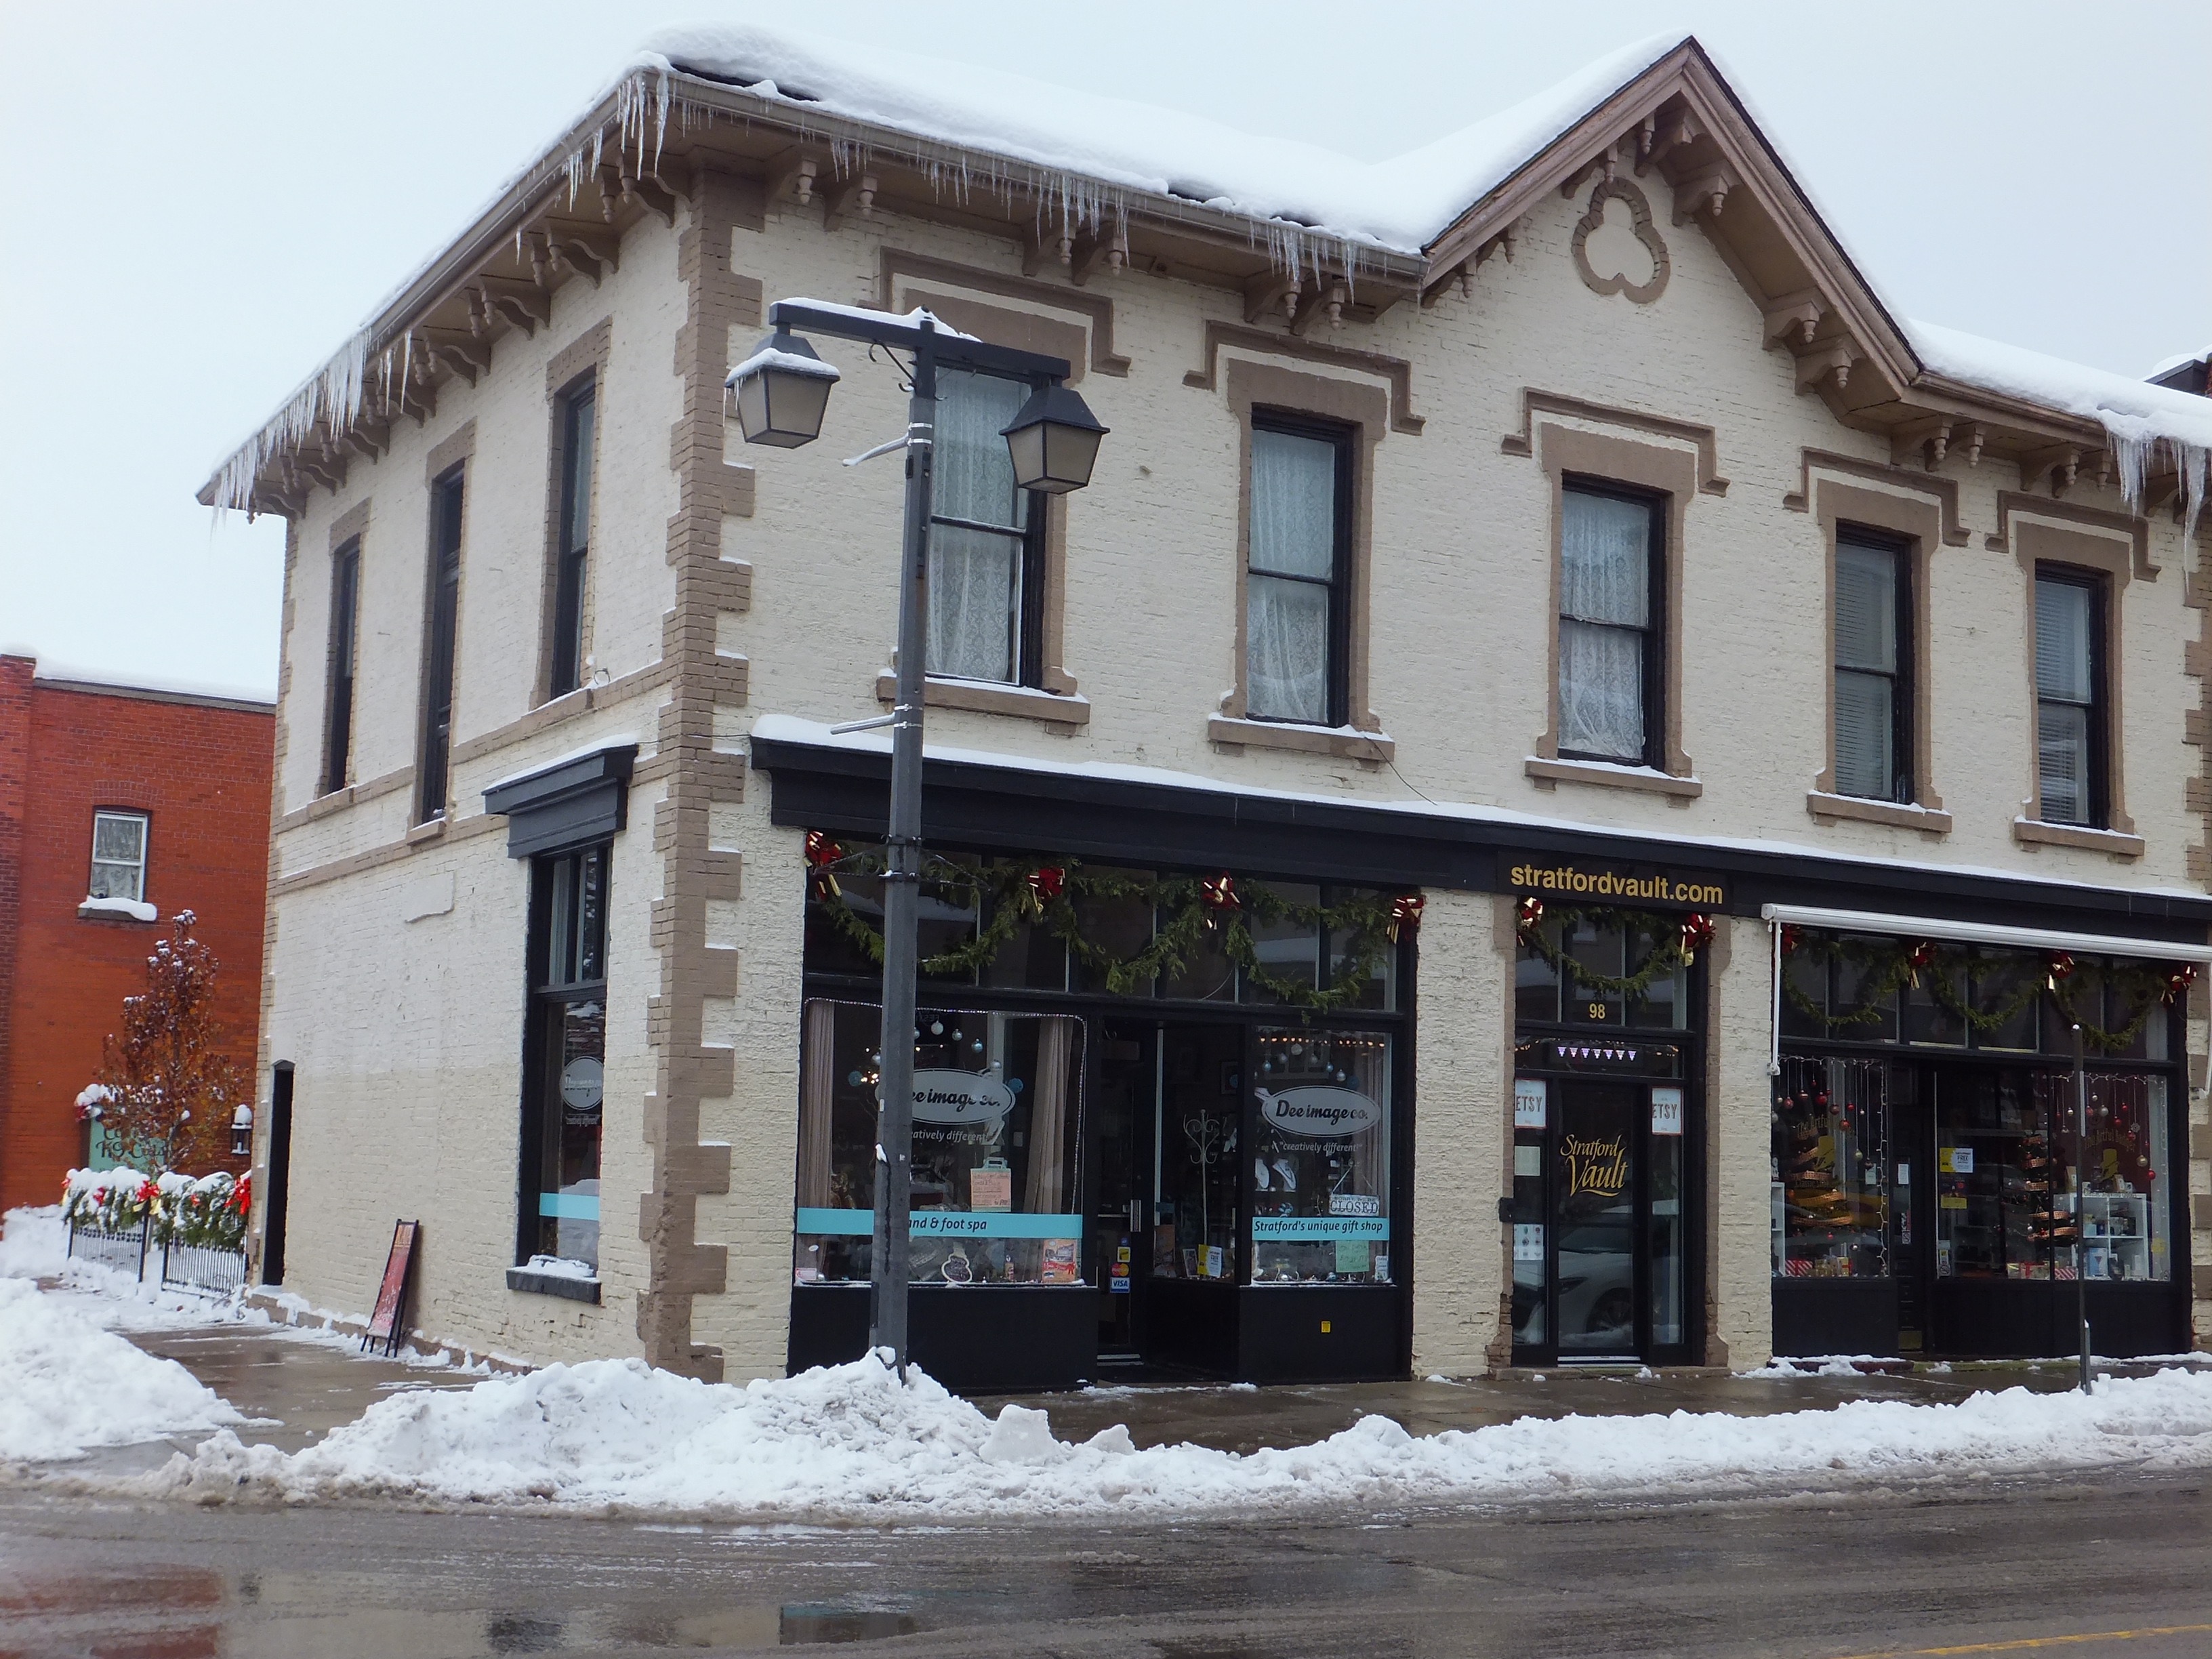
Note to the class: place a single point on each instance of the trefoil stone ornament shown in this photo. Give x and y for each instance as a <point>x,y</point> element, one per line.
<point>1616,280</point>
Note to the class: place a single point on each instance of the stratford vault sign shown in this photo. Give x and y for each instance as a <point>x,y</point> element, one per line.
<point>1569,881</point>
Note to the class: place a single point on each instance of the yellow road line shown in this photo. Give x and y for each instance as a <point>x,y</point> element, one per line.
<point>2026,1642</point>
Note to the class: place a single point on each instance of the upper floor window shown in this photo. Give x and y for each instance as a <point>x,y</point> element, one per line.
<point>337,728</point>
<point>986,554</point>
<point>438,647</point>
<point>579,410</point>
<point>1296,563</point>
<point>2070,733</point>
<point>1611,573</point>
<point>118,856</point>
<point>1873,668</point>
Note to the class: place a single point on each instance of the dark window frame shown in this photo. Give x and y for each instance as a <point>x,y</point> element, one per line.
<point>1344,438</point>
<point>553,983</point>
<point>1657,599</point>
<point>1029,625</point>
<point>448,497</point>
<point>573,534</point>
<point>2098,708</point>
<point>1904,690</point>
<point>345,666</point>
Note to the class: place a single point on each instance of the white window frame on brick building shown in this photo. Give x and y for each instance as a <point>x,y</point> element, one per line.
<point>112,877</point>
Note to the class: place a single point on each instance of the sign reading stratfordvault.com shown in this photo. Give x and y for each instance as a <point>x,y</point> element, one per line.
<point>1571,879</point>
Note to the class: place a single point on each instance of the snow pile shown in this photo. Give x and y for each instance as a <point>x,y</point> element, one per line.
<point>853,1441</point>
<point>66,1385</point>
<point>2148,424</point>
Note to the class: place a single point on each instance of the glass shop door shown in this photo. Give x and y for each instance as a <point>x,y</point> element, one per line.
<point>1121,1208</point>
<point>1600,1247</point>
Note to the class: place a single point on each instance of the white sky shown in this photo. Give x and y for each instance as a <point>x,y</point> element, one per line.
<point>207,199</point>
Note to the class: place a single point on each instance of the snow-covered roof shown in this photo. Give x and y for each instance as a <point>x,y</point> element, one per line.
<point>1401,204</point>
<point>1090,152</point>
<point>68,675</point>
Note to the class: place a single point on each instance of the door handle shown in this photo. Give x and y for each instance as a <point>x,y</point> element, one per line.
<point>1136,1215</point>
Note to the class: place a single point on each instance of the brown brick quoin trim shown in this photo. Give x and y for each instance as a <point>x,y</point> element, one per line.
<point>1945,490</point>
<point>1521,443</point>
<point>898,263</point>
<point>1396,371</point>
<point>686,1070</point>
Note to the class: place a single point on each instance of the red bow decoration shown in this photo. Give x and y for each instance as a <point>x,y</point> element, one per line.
<point>1048,883</point>
<point>2061,966</point>
<point>1697,934</point>
<point>1919,956</point>
<point>1218,893</point>
<point>821,853</point>
<point>148,1192</point>
<point>1788,938</point>
<point>1405,914</point>
<point>1529,916</point>
<point>241,1195</point>
<point>2180,980</point>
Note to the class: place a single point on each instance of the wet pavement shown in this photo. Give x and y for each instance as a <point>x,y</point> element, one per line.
<point>2111,1567</point>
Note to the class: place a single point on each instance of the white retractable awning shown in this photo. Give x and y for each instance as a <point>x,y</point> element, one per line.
<point>1965,932</point>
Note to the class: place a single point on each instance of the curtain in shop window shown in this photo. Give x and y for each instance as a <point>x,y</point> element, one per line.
<point>1605,593</point>
<point>817,1083</point>
<point>1049,1117</point>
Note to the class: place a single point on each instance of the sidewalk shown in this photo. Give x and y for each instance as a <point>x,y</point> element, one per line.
<point>310,1386</point>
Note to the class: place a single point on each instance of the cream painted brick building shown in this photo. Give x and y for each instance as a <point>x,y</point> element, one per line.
<point>1638,310</point>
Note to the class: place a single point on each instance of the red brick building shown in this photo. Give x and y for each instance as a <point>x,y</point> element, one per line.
<point>120,806</point>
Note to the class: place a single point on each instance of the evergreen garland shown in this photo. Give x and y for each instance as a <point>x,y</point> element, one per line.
<point>1194,914</point>
<point>1886,966</point>
<point>1674,941</point>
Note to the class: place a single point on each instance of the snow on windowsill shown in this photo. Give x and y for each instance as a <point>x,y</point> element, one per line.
<point>561,1267</point>
<point>118,909</point>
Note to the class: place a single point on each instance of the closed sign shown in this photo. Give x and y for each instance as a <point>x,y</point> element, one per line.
<point>1320,1111</point>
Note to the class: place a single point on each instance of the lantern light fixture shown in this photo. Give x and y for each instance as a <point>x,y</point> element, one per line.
<point>781,391</point>
<point>1053,441</point>
<point>241,1131</point>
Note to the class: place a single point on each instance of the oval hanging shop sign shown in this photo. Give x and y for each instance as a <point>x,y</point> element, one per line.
<point>960,1097</point>
<point>1320,1111</point>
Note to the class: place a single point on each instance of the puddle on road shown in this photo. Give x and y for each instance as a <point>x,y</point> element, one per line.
<point>801,1625</point>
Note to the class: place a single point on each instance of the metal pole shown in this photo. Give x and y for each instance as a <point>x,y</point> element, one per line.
<point>2080,1212</point>
<point>888,1292</point>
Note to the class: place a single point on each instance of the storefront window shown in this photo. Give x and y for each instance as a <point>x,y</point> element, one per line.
<point>564,1109</point>
<point>1320,1158</point>
<point>996,1120</point>
<point>1830,1212</point>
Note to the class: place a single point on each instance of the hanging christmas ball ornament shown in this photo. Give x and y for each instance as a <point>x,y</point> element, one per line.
<point>1697,934</point>
<point>1405,915</point>
<point>1048,883</point>
<point>1219,892</point>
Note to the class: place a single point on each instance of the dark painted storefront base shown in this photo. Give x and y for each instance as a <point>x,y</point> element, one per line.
<point>1007,1338</point>
<point>1978,1319</point>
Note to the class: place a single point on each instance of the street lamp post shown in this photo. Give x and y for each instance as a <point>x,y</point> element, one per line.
<point>780,393</point>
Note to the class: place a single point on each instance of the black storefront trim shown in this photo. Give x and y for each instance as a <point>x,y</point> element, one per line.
<point>567,806</point>
<point>992,807</point>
